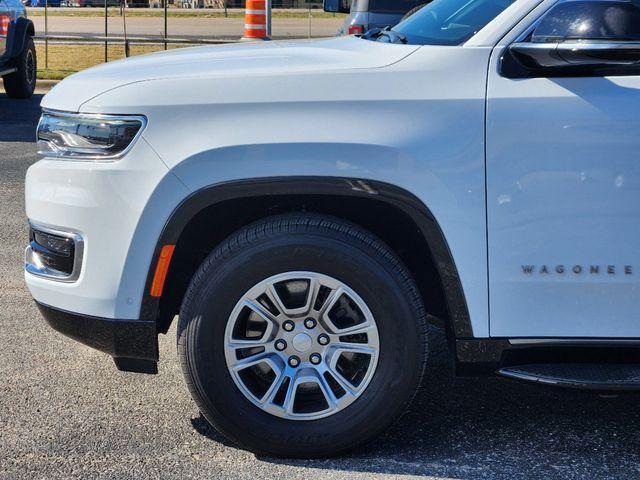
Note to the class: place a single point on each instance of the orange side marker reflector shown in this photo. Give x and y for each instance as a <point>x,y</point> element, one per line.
<point>161,270</point>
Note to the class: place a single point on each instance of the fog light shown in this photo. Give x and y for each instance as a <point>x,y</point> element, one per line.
<point>56,244</point>
<point>54,253</point>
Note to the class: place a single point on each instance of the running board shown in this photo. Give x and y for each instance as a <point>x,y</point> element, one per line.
<point>7,71</point>
<point>582,376</point>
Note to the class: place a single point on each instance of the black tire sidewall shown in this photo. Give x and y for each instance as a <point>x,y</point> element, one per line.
<point>18,84</point>
<point>367,273</point>
<point>30,49</point>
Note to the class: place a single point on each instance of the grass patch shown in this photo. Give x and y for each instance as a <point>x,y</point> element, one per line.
<point>63,60</point>
<point>174,13</point>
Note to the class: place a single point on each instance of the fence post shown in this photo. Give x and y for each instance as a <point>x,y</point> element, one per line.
<point>46,34</point>
<point>124,26</point>
<point>268,5</point>
<point>106,31</point>
<point>166,13</point>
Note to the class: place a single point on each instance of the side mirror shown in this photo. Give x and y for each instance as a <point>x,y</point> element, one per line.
<point>336,6</point>
<point>576,53</point>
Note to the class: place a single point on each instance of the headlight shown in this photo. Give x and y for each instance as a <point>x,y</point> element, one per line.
<point>86,136</point>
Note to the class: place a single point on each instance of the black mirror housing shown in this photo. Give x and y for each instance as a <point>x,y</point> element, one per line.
<point>576,54</point>
<point>571,58</point>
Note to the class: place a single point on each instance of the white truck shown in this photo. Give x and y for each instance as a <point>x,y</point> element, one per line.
<point>305,208</point>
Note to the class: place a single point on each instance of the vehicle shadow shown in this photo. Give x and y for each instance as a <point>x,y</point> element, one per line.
<point>19,118</point>
<point>495,428</point>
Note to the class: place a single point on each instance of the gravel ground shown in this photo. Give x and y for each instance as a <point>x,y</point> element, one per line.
<point>66,412</point>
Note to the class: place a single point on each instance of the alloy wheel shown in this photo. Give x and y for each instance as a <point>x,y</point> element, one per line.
<point>301,345</point>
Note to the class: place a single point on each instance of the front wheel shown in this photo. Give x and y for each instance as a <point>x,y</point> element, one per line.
<point>22,82</point>
<point>302,336</point>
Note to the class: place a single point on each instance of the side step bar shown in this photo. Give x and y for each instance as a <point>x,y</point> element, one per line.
<point>582,376</point>
<point>7,71</point>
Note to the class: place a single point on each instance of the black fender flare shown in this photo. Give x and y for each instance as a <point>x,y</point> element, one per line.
<point>22,30</point>
<point>460,322</point>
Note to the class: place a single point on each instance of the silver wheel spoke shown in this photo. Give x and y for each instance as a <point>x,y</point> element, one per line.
<point>332,400</point>
<point>329,301</point>
<point>344,383</point>
<point>273,389</point>
<point>236,344</point>
<point>275,298</point>
<point>261,311</point>
<point>273,295</point>
<point>290,397</point>
<point>355,348</point>
<point>312,294</point>
<point>250,361</point>
<point>362,327</point>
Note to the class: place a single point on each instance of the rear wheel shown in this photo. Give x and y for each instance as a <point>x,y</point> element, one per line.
<point>22,82</point>
<point>302,336</point>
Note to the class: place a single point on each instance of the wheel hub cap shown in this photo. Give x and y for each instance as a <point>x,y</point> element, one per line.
<point>302,342</point>
<point>309,378</point>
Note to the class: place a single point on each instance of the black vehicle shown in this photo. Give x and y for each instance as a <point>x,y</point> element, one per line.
<point>18,65</point>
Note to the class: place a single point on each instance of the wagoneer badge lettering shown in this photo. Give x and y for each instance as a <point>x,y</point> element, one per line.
<point>578,269</point>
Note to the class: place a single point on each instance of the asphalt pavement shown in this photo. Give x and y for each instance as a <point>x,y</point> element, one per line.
<point>66,412</point>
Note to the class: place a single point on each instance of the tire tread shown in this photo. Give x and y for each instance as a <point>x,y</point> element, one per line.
<point>293,224</point>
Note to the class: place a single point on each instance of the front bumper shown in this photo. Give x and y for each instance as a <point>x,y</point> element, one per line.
<point>133,344</point>
<point>117,210</point>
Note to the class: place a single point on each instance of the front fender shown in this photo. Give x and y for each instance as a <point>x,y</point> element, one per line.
<point>326,159</point>
<point>435,184</point>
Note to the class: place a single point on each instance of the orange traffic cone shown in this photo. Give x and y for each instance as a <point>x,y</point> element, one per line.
<point>5,20</point>
<point>255,20</point>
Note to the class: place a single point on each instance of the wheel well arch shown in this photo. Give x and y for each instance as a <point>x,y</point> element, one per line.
<point>209,216</point>
<point>16,39</point>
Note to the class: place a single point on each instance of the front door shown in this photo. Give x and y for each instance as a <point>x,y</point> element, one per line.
<point>563,178</point>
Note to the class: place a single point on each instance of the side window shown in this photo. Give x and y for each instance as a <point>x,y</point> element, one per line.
<point>590,20</point>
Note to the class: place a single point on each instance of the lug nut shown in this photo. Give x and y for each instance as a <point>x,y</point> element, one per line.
<point>294,361</point>
<point>288,325</point>
<point>315,358</point>
<point>323,339</point>
<point>281,345</point>
<point>310,323</point>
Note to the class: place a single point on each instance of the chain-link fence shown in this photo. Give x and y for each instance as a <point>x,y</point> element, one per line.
<point>75,34</point>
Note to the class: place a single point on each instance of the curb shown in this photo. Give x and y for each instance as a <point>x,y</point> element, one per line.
<point>42,83</point>
<point>43,86</point>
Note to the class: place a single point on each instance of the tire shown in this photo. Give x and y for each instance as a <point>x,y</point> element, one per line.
<point>22,82</point>
<point>382,290</point>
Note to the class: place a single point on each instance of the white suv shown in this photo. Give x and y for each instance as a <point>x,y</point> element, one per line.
<point>306,207</point>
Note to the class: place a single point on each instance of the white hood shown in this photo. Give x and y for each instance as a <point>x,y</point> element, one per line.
<point>231,60</point>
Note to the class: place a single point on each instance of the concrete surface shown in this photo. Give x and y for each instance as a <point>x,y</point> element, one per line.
<point>66,412</point>
<point>189,27</point>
